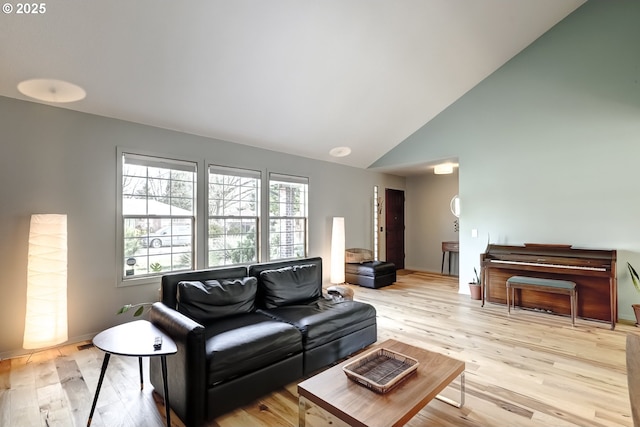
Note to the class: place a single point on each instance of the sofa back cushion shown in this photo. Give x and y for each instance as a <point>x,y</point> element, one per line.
<point>289,285</point>
<point>204,301</point>
<point>169,284</point>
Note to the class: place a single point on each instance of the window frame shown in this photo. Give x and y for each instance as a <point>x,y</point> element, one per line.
<point>257,218</point>
<point>122,280</point>
<point>294,179</point>
<point>200,223</point>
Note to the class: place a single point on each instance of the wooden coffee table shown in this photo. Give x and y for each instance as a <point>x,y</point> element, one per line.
<point>357,405</point>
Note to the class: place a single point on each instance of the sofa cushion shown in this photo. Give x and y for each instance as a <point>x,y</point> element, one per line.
<point>244,343</point>
<point>213,299</point>
<point>325,320</point>
<point>289,285</point>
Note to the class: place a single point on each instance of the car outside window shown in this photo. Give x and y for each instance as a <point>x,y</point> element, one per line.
<point>158,215</point>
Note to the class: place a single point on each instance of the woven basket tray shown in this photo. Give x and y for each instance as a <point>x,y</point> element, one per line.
<point>357,255</point>
<point>381,370</point>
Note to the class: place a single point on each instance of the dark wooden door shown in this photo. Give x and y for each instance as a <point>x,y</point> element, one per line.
<point>394,223</point>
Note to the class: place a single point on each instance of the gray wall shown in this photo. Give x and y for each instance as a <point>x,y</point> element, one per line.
<point>428,215</point>
<point>54,160</point>
<point>549,144</point>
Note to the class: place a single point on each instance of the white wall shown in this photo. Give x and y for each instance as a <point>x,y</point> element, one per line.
<point>54,160</point>
<point>549,144</point>
<point>430,221</point>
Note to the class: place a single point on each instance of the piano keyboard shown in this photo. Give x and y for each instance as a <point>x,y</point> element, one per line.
<point>536,264</point>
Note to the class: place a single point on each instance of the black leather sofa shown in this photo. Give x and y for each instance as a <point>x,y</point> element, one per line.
<point>242,332</point>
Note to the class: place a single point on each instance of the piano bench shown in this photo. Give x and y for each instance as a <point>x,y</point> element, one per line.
<point>544,285</point>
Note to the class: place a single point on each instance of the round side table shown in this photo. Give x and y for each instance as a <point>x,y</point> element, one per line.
<point>135,339</point>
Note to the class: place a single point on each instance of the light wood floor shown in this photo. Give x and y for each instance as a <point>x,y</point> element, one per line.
<point>529,369</point>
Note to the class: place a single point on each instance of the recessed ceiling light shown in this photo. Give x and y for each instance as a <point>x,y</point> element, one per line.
<point>50,90</point>
<point>443,169</point>
<point>340,151</point>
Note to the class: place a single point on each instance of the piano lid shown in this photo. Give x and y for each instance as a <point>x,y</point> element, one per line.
<point>550,254</point>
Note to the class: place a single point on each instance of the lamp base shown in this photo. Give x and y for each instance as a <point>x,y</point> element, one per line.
<point>42,351</point>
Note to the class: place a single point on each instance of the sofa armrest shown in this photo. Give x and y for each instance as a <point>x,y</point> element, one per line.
<point>186,370</point>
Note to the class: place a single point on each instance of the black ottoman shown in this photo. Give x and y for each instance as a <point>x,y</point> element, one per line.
<point>370,274</point>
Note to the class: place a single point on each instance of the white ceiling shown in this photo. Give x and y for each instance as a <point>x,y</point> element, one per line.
<point>296,76</point>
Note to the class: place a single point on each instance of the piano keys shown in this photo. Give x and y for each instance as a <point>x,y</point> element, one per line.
<point>593,271</point>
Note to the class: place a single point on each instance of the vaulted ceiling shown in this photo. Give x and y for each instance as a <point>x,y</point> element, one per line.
<point>295,76</point>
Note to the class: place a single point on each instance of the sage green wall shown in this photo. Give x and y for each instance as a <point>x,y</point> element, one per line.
<point>54,160</point>
<point>549,144</point>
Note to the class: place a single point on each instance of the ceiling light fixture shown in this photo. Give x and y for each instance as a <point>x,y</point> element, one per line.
<point>443,169</point>
<point>340,151</point>
<point>51,90</point>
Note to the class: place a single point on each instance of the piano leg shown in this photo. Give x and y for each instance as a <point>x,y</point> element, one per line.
<point>483,283</point>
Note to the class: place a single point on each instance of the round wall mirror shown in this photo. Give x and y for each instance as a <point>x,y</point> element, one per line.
<point>455,206</point>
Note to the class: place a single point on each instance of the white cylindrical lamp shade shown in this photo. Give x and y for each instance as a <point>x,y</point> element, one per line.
<point>46,315</point>
<point>337,250</point>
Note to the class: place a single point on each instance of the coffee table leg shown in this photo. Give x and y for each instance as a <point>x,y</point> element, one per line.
<point>105,363</point>
<point>462,390</point>
<point>302,411</point>
<point>166,390</point>
<point>451,401</point>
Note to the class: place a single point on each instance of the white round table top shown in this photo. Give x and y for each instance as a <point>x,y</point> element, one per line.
<point>134,339</point>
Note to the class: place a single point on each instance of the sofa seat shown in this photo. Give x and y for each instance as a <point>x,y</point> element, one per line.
<point>325,320</point>
<point>246,343</point>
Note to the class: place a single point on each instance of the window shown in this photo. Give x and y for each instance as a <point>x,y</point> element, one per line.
<point>234,213</point>
<point>158,215</point>
<point>288,206</point>
<point>160,209</point>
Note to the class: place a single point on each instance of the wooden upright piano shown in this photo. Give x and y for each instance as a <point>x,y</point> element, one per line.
<point>593,271</point>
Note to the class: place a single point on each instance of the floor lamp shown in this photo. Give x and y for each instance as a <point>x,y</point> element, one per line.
<point>337,251</point>
<point>46,314</point>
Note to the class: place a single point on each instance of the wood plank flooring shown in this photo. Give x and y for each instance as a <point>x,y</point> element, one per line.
<point>527,369</point>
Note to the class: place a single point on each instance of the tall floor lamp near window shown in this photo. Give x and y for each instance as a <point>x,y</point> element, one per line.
<point>337,250</point>
<point>46,315</point>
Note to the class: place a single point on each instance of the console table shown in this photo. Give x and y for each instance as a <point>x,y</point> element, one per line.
<point>449,247</point>
<point>134,339</point>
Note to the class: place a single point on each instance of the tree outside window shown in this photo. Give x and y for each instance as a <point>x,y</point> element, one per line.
<point>158,215</point>
<point>234,213</point>
<point>288,206</point>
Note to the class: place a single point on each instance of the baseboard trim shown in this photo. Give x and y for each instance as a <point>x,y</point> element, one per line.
<point>12,354</point>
